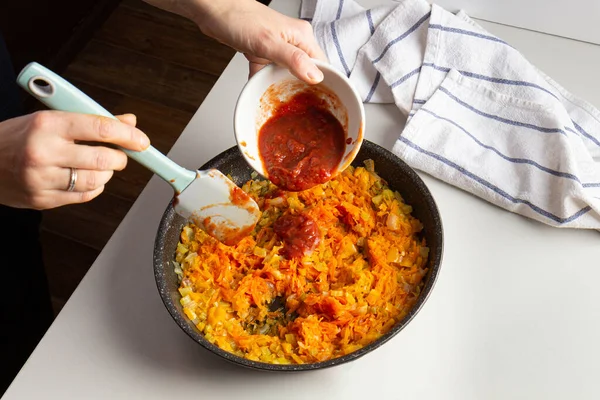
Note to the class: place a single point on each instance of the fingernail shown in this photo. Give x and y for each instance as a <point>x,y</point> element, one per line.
<point>144,141</point>
<point>315,74</point>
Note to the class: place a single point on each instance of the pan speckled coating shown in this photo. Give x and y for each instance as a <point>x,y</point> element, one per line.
<point>399,176</point>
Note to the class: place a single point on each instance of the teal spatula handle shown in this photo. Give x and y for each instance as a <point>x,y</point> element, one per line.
<point>58,94</point>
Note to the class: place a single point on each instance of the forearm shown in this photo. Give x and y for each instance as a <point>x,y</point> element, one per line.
<point>197,11</point>
<point>262,34</point>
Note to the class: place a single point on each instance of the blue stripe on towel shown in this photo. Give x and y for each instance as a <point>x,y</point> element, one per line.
<point>494,188</point>
<point>492,79</point>
<point>507,82</point>
<point>507,158</point>
<point>500,119</point>
<point>370,20</point>
<point>336,40</point>
<point>373,87</point>
<point>584,133</point>
<point>399,38</point>
<point>468,33</point>
<point>436,67</point>
<point>572,130</point>
<point>339,11</point>
<point>405,77</point>
<point>579,130</point>
<point>339,48</point>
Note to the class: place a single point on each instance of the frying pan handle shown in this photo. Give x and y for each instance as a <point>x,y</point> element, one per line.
<point>58,94</point>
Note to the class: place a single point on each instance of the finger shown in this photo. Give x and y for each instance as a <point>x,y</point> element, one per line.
<point>129,119</point>
<point>95,128</point>
<point>254,68</point>
<point>86,180</point>
<point>305,39</point>
<point>97,158</point>
<point>56,198</point>
<point>256,64</point>
<point>296,60</point>
<point>62,197</point>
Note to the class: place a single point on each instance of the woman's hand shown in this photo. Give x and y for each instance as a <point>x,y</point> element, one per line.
<point>262,34</point>
<point>37,152</point>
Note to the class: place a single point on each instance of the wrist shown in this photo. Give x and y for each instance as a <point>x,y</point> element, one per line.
<point>203,12</point>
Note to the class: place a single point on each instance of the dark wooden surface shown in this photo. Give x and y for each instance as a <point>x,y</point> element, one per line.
<point>50,32</point>
<point>143,61</point>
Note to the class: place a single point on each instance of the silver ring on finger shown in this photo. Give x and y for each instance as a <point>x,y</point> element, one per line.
<point>72,180</point>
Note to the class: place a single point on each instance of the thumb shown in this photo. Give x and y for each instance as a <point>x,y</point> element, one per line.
<point>129,119</point>
<point>297,61</point>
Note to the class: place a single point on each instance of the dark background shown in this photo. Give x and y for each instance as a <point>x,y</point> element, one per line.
<point>50,32</point>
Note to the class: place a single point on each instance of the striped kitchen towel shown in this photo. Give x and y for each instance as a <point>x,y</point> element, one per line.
<point>480,116</point>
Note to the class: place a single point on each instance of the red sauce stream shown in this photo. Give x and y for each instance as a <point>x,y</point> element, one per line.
<point>299,232</point>
<point>302,143</point>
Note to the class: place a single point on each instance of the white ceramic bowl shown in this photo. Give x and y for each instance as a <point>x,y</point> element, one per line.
<point>272,85</point>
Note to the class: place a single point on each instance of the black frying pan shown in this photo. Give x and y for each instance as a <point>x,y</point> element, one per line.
<point>399,176</point>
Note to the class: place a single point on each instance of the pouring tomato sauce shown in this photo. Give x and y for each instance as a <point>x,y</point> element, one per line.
<point>302,143</point>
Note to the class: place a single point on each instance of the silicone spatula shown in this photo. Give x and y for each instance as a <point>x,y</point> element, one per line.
<point>208,198</point>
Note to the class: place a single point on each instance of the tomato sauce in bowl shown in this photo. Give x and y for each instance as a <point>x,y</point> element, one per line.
<point>302,143</point>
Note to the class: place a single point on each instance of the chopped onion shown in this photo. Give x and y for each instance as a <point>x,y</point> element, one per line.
<point>259,251</point>
<point>177,269</point>
<point>190,257</point>
<point>393,222</point>
<point>277,201</point>
<point>393,255</point>
<point>263,330</point>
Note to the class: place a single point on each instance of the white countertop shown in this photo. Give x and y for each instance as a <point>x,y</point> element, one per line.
<point>515,312</point>
<point>576,19</point>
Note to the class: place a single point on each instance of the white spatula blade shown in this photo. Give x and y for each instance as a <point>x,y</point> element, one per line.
<point>218,206</point>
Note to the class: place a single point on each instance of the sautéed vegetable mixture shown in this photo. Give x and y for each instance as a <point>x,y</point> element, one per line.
<point>325,272</point>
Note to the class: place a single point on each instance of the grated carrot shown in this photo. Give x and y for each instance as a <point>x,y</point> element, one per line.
<point>362,278</point>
